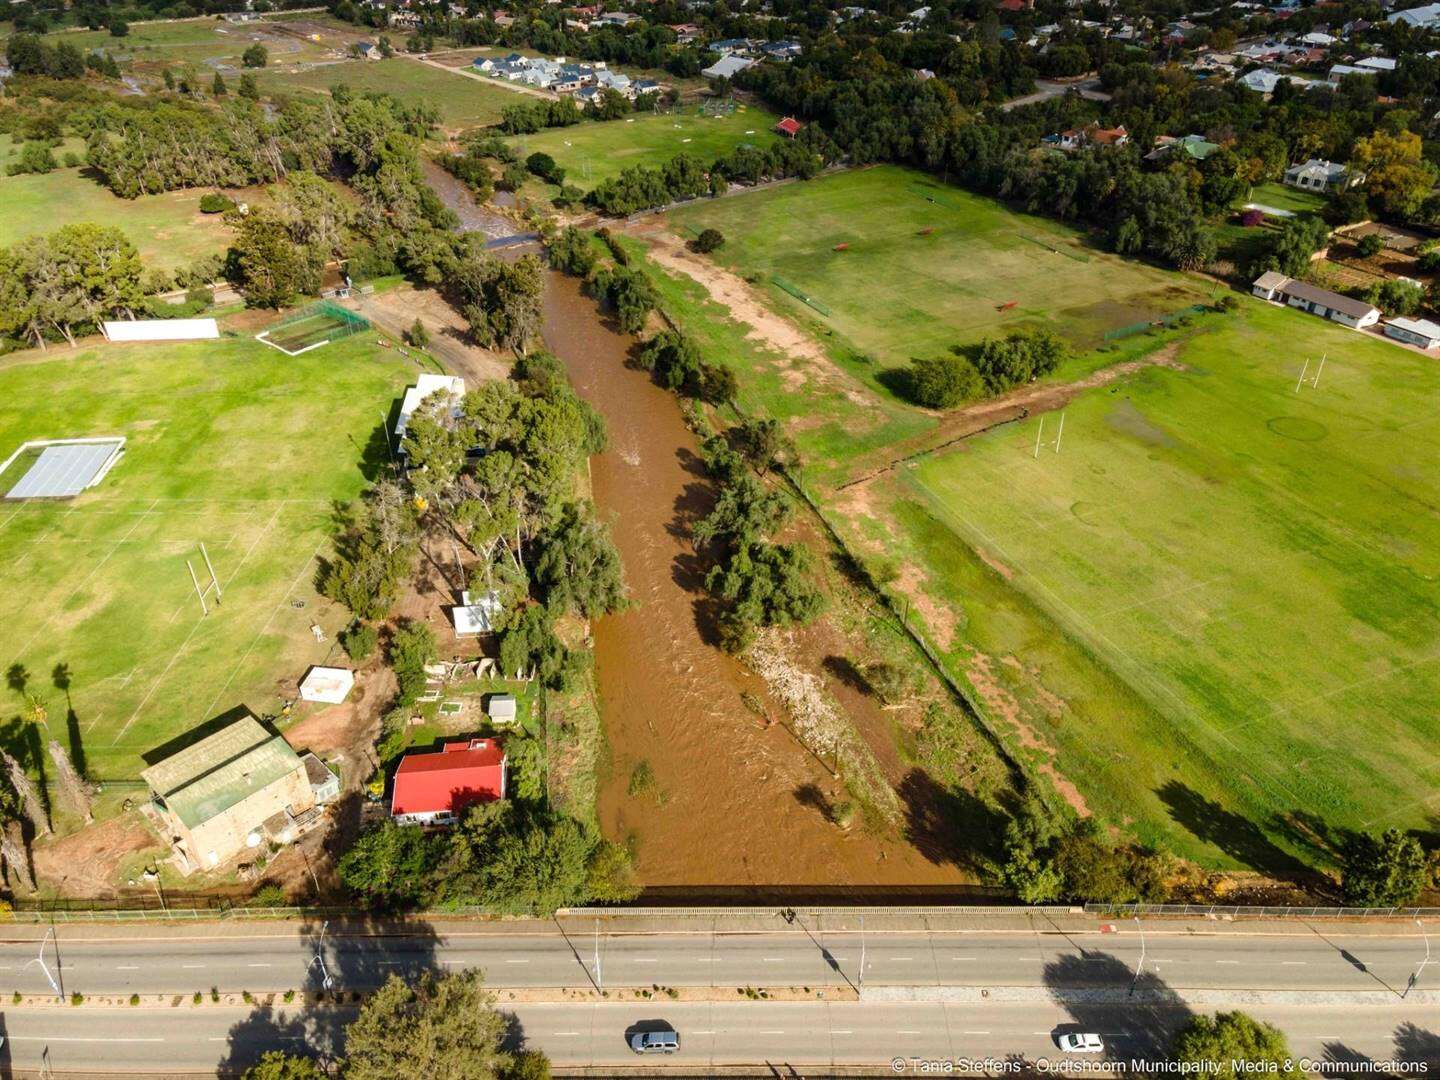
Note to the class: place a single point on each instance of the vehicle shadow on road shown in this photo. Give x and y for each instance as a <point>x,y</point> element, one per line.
<point>348,957</point>
<point>1137,1017</point>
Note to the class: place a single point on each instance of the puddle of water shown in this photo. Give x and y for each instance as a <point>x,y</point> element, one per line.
<point>734,809</point>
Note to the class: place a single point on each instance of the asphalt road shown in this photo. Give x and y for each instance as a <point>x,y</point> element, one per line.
<point>270,957</point>
<point>117,1041</point>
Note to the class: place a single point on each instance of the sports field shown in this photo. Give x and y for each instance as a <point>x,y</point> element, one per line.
<point>169,230</point>
<point>895,294</point>
<point>463,102</point>
<point>594,152</point>
<point>1219,605</point>
<point>229,443</point>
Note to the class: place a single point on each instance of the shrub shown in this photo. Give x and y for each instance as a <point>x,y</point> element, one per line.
<point>134,999</point>
<point>1370,245</point>
<point>942,382</point>
<point>212,202</point>
<point>887,681</point>
<point>199,997</point>
<point>418,335</point>
<point>256,56</point>
<point>247,997</point>
<point>359,641</point>
<point>77,998</point>
<point>269,895</point>
<point>709,240</point>
<point>289,996</point>
<point>16,998</point>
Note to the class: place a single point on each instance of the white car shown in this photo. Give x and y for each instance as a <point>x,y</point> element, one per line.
<point>1084,1042</point>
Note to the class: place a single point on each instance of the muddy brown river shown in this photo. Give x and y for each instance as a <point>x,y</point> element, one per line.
<point>726,806</point>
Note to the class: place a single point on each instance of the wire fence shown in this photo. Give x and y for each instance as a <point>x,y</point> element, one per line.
<point>1267,912</point>
<point>795,291</point>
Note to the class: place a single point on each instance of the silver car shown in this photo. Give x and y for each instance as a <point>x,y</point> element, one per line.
<point>655,1042</point>
<point>1083,1042</point>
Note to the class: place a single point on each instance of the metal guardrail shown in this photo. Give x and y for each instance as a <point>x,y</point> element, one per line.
<point>680,911</point>
<point>1269,912</point>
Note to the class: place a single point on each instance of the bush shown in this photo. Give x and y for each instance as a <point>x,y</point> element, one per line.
<point>212,202</point>
<point>1370,245</point>
<point>359,641</point>
<point>197,998</point>
<point>77,998</point>
<point>256,56</point>
<point>134,999</point>
<point>887,681</point>
<point>269,895</point>
<point>709,240</point>
<point>942,382</point>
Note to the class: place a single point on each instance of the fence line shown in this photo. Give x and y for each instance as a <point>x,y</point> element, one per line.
<point>1269,912</point>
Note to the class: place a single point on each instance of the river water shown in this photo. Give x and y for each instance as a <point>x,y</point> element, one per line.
<point>734,799</point>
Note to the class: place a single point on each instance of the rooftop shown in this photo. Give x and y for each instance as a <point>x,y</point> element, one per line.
<point>208,777</point>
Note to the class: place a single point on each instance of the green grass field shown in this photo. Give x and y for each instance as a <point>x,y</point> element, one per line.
<point>595,152</point>
<point>200,42</point>
<point>463,102</point>
<point>169,230</point>
<point>1227,589</point>
<point>1282,197</point>
<point>231,444</point>
<point>896,294</point>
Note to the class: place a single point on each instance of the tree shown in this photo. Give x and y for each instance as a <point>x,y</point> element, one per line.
<point>629,293</point>
<point>29,795</point>
<point>1397,176</point>
<point>218,87</point>
<point>418,335</point>
<point>119,28</point>
<point>942,382</point>
<point>500,300</point>
<point>571,252</point>
<point>270,267</point>
<point>15,853</point>
<point>256,56</point>
<point>389,866</point>
<point>1383,871</point>
<point>709,240</point>
<point>543,165</point>
<point>1370,245</point>
<point>278,1065</point>
<point>445,1028</point>
<point>412,646</point>
<point>249,88</point>
<point>1231,1045</point>
<point>576,566</point>
<point>76,790</point>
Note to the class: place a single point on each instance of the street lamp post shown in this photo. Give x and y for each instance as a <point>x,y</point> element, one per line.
<point>326,981</point>
<point>1139,964</point>
<point>599,979</point>
<point>862,952</point>
<point>1414,979</point>
<point>40,959</point>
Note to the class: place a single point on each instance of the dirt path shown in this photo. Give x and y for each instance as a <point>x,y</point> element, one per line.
<point>805,362</point>
<point>395,309</point>
<point>962,424</point>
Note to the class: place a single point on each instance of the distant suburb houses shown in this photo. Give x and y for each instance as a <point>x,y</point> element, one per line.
<point>561,76</point>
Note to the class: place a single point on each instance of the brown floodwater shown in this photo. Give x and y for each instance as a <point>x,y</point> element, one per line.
<point>734,802</point>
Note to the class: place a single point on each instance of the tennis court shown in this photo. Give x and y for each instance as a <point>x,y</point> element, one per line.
<point>60,469</point>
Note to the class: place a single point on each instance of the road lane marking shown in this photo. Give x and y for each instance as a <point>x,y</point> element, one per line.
<point>772,1033</point>
<point>1227,961</point>
<point>1293,963</point>
<point>85,1039</point>
<point>963,958</point>
<point>901,959</point>
<point>192,965</point>
<point>257,965</point>
<point>975,1033</point>
<point>646,960</point>
<point>907,1033</point>
<point>127,967</point>
<point>565,1033</point>
<point>702,1033</point>
<point>517,961</point>
<point>773,959</point>
<point>839,1031</point>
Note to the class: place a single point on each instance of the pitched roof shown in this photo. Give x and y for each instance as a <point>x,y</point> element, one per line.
<point>1356,309</point>
<point>789,126</point>
<point>459,775</point>
<point>208,777</point>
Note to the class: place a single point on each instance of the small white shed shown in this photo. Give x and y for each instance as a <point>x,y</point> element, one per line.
<point>330,685</point>
<point>476,613</point>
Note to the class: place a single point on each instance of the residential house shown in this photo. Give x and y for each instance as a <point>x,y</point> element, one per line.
<point>686,33</point>
<point>1339,71</point>
<point>1278,288</point>
<point>436,788</point>
<point>1196,147</point>
<point>1421,333</point>
<point>728,46</point>
<point>1261,80</point>
<point>227,792</point>
<point>1317,37</point>
<point>1376,63</point>
<point>427,384</point>
<point>1099,136</point>
<point>727,67</point>
<point>616,18</point>
<point>1320,176</point>
<point>782,51</point>
<point>367,50</point>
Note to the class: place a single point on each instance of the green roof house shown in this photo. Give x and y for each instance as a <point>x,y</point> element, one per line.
<point>216,795</point>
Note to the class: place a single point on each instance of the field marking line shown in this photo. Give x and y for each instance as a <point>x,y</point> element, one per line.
<point>1138,676</point>
<point>193,631</point>
<point>1425,800</point>
<point>1177,591</point>
<point>83,582</point>
<point>264,629</point>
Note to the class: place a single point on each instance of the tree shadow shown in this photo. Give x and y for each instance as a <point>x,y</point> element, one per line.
<point>812,796</point>
<point>844,670</point>
<point>694,502</point>
<point>1235,835</point>
<point>1137,1018</point>
<point>350,955</point>
<point>1416,1044</point>
<point>1340,1060</point>
<point>62,678</point>
<point>692,463</point>
<point>378,454</point>
<point>21,740</point>
<point>1312,833</point>
<point>950,826</point>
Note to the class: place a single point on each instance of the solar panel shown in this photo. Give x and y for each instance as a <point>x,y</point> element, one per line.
<point>63,471</point>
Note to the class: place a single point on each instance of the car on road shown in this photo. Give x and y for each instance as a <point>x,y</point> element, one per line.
<point>666,1041</point>
<point>1081,1042</point>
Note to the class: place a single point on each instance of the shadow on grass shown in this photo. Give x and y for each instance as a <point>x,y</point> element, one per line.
<point>1237,836</point>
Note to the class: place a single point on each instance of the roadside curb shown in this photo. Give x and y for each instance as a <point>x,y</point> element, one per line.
<point>1172,996</point>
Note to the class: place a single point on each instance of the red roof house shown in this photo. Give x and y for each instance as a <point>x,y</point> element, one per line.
<point>435,788</point>
<point>789,126</point>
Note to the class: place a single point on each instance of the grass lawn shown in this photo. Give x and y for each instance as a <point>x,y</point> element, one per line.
<point>463,102</point>
<point>896,294</point>
<point>595,151</point>
<point>1219,607</point>
<point>169,230</point>
<point>1283,197</point>
<point>230,443</point>
<point>204,43</point>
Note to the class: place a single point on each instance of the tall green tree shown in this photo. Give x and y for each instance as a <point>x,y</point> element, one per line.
<point>444,1028</point>
<point>1385,870</point>
<point>1232,1045</point>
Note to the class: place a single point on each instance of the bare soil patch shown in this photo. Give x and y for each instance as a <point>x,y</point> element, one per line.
<point>394,310</point>
<point>87,863</point>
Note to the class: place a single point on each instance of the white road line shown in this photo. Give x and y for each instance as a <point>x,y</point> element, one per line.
<point>975,1033</point>
<point>773,959</point>
<point>257,965</point>
<point>1227,961</point>
<point>963,958</point>
<point>192,965</point>
<point>702,1033</point>
<point>646,960</point>
<point>907,1033</point>
<point>839,1031</point>
<point>517,961</point>
<point>902,959</point>
<point>565,1033</point>
<point>772,1033</point>
<point>83,1039</point>
<point>127,967</point>
<point>1293,963</point>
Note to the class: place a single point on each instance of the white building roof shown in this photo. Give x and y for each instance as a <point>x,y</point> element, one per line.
<point>425,385</point>
<point>1417,16</point>
<point>328,684</point>
<point>1423,327</point>
<point>727,66</point>
<point>476,613</point>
